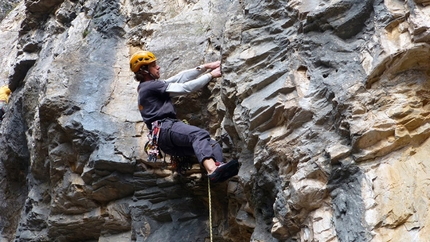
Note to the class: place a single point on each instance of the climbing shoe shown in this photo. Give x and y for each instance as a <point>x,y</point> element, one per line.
<point>225,171</point>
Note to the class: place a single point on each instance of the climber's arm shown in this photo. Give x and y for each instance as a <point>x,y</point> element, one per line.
<point>180,88</point>
<point>176,89</point>
<point>189,75</point>
<point>186,75</point>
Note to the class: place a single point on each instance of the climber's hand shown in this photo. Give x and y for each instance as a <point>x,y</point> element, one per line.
<point>212,65</point>
<point>216,72</point>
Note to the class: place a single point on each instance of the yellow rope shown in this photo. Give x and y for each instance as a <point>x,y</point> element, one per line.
<point>210,208</point>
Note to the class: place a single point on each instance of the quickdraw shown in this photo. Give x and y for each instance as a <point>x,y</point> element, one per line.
<point>151,147</point>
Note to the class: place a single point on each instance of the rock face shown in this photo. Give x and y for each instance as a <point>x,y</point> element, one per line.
<point>325,104</point>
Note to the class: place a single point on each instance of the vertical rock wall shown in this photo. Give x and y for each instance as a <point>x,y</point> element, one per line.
<point>325,103</point>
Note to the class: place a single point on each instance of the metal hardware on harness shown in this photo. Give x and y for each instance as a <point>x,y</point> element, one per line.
<point>181,163</point>
<point>151,146</point>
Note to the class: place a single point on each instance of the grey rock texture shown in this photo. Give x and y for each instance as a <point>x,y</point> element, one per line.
<point>324,103</point>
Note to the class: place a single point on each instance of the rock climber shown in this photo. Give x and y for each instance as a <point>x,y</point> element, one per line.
<point>173,136</point>
<point>4,99</point>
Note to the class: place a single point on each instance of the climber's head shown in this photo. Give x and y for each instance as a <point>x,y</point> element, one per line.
<point>143,63</point>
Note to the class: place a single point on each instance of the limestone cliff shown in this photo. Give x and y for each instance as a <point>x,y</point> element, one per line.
<point>324,103</point>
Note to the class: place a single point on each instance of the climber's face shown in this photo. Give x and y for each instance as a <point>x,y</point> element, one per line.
<point>154,69</point>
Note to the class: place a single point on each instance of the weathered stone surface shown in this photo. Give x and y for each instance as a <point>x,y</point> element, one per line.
<point>325,103</point>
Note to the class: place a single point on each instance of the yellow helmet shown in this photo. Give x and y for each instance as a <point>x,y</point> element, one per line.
<point>141,58</point>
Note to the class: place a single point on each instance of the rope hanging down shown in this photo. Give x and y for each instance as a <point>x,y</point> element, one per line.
<point>210,208</point>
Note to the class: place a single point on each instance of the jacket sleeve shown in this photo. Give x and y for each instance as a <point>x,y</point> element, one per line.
<point>187,75</point>
<point>176,89</point>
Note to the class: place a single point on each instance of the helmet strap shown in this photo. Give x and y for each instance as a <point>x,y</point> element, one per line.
<point>141,77</point>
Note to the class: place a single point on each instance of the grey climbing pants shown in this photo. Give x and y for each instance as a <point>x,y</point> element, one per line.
<point>179,139</point>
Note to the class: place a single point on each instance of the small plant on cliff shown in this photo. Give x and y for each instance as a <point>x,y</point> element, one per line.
<point>85,33</point>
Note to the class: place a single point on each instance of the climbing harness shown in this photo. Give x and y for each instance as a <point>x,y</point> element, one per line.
<point>210,208</point>
<point>151,147</point>
<point>180,164</point>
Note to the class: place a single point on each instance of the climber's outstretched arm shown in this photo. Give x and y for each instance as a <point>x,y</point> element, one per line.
<point>183,83</point>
